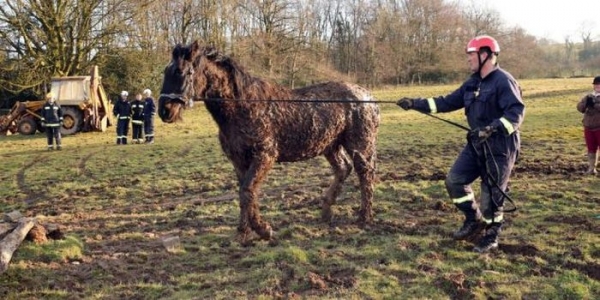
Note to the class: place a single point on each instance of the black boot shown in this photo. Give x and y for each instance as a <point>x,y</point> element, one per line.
<point>472,225</point>
<point>489,241</point>
<point>469,230</point>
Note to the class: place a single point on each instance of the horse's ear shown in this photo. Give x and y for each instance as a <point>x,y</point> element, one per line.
<point>194,48</point>
<point>211,53</point>
<point>176,52</point>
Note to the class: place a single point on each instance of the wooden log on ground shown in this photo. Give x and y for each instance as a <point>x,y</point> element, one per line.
<point>11,242</point>
<point>5,228</point>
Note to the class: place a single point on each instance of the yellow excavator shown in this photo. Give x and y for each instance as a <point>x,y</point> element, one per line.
<point>84,103</point>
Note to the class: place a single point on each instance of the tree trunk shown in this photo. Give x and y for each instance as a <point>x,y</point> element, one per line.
<point>12,241</point>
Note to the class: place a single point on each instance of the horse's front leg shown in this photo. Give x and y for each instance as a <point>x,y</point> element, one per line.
<point>249,188</point>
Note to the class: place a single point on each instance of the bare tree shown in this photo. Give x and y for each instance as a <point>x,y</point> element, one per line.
<point>43,38</point>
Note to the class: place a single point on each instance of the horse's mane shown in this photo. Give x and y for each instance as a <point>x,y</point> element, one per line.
<point>243,85</point>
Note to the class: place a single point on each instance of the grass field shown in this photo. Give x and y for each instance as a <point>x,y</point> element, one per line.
<point>116,203</point>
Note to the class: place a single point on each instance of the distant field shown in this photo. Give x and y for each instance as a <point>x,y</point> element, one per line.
<point>116,203</point>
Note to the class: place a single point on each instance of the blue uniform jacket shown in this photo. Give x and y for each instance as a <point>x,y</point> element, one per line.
<point>51,114</point>
<point>137,109</point>
<point>149,107</point>
<point>493,101</point>
<point>122,109</point>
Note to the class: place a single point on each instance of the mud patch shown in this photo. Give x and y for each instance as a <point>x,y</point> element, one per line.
<point>556,166</point>
<point>581,222</point>
<point>591,269</point>
<point>455,285</point>
<point>419,175</point>
<point>519,249</point>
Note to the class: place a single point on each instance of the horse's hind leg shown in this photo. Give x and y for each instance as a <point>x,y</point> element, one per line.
<point>364,164</point>
<point>249,209</point>
<point>340,163</point>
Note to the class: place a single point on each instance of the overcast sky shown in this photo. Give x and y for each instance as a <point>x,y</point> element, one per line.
<point>552,19</point>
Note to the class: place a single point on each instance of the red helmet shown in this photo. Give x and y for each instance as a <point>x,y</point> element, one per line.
<point>483,41</point>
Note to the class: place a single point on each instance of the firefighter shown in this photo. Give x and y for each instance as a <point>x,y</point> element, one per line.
<point>122,112</point>
<point>149,112</point>
<point>137,119</point>
<point>494,109</point>
<point>52,120</point>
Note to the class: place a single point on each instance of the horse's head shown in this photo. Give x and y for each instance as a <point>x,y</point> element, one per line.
<point>183,80</point>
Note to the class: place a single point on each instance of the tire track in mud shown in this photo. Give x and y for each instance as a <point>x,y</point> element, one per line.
<point>22,182</point>
<point>185,151</point>
<point>200,199</point>
<point>81,166</point>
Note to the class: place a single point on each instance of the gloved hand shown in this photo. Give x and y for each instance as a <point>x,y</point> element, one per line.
<point>480,135</point>
<point>589,101</point>
<point>406,103</point>
<point>43,124</point>
<point>61,123</point>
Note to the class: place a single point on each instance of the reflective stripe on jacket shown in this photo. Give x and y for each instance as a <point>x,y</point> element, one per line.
<point>122,109</point>
<point>137,110</point>
<point>51,114</point>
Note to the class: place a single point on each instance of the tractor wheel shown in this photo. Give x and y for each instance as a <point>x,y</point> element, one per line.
<point>27,126</point>
<point>72,120</point>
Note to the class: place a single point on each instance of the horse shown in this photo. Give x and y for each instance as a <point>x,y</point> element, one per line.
<point>262,123</point>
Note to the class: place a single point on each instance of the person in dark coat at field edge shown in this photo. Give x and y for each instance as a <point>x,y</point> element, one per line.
<point>122,112</point>
<point>52,120</point>
<point>494,109</point>
<point>137,119</point>
<point>589,106</point>
<point>149,112</point>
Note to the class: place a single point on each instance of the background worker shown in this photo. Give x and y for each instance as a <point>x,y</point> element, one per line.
<point>137,119</point>
<point>494,109</point>
<point>52,120</point>
<point>149,112</point>
<point>122,112</point>
<point>589,106</point>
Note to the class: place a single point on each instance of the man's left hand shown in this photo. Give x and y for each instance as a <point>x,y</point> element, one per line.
<point>480,135</point>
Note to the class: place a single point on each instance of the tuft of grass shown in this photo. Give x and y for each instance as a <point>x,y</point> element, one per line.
<point>68,249</point>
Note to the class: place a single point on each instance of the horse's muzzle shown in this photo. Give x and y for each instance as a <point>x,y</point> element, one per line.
<point>165,103</point>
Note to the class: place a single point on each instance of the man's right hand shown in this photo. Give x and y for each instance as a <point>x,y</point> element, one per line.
<point>589,101</point>
<point>406,103</point>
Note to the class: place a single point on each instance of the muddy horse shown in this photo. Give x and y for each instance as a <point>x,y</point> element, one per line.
<point>261,123</point>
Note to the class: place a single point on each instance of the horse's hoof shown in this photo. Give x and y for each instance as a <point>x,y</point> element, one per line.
<point>273,242</point>
<point>244,237</point>
<point>363,221</point>
<point>326,216</point>
<point>267,233</point>
<point>247,243</point>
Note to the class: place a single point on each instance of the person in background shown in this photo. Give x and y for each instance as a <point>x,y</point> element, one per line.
<point>149,112</point>
<point>137,119</point>
<point>122,112</point>
<point>52,120</point>
<point>589,106</point>
<point>494,110</point>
